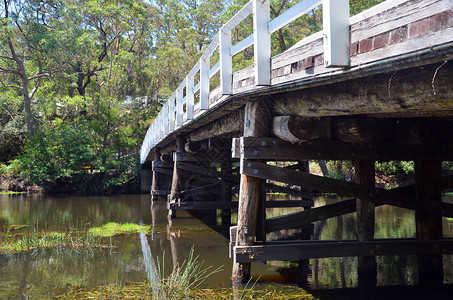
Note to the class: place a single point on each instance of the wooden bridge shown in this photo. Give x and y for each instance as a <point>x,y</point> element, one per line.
<point>376,86</point>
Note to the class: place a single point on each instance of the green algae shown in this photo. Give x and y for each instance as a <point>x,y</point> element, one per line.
<point>112,229</point>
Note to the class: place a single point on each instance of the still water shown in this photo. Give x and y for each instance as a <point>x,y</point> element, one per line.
<point>43,273</point>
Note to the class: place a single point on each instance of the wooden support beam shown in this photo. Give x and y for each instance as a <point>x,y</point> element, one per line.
<point>160,192</point>
<point>299,219</point>
<point>163,171</point>
<point>343,188</point>
<point>287,203</point>
<point>212,189</point>
<point>155,179</point>
<point>287,251</point>
<point>367,269</point>
<point>177,179</point>
<point>276,149</point>
<point>306,217</point>
<point>198,169</point>
<point>226,191</point>
<point>257,123</point>
<point>293,192</point>
<point>202,205</point>
<point>408,92</point>
<point>428,226</point>
<point>161,164</point>
<point>296,129</point>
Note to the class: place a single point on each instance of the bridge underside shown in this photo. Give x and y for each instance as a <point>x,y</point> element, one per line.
<point>260,139</point>
<point>399,115</point>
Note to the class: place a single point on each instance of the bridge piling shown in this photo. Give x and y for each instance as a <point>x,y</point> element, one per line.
<point>428,226</point>
<point>257,123</point>
<point>365,175</point>
<point>155,183</point>
<point>178,177</point>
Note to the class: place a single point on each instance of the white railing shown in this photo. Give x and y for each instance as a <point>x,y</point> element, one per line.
<point>336,46</point>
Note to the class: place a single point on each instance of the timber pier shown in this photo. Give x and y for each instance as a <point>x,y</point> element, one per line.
<point>377,86</point>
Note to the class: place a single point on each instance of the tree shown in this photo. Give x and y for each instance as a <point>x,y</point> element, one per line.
<point>25,38</point>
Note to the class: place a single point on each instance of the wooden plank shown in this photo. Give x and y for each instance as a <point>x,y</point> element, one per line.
<point>299,219</point>
<point>293,192</point>
<point>428,226</point>
<point>198,169</point>
<point>202,205</point>
<point>163,171</point>
<point>212,189</point>
<point>160,192</point>
<point>343,188</point>
<point>276,149</point>
<point>233,233</point>
<point>366,269</point>
<point>184,156</point>
<point>288,203</point>
<point>288,251</point>
<point>161,164</point>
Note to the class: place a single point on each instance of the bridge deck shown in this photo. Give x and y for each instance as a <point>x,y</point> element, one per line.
<point>390,37</point>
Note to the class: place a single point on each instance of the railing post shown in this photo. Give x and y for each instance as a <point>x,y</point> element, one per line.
<point>262,42</point>
<point>171,111</point>
<point>189,97</point>
<point>165,111</point>
<point>179,106</point>
<point>336,32</point>
<point>204,82</point>
<point>226,62</point>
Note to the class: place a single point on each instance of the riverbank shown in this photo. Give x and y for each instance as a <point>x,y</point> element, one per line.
<point>90,184</point>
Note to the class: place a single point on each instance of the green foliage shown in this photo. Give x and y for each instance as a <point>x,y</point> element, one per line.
<point>58,152</point>
<point>396,168</point>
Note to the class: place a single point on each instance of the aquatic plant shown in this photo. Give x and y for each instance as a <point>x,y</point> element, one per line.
<point>112,229</point>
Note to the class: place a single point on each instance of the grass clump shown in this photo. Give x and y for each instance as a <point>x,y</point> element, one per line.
<point>112,229</point>
<point>41,239</point>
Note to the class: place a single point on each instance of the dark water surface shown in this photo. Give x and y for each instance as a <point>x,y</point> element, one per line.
<point>44,273</point>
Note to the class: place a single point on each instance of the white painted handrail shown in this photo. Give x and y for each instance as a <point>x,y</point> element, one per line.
<point>173,115</point>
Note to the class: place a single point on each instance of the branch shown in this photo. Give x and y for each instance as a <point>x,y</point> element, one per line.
<point>39,76</point>
<point>10,71</point>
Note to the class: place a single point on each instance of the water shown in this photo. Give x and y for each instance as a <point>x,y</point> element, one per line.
<point>43,273</point>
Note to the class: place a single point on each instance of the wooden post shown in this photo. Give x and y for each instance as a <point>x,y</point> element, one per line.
<point>365,175</point>
<point>225,193</point>
<point>428,227</point>
<point>177,180</point>
<point>257,123</point>
<point>307,230</point>
<point>155,182</point>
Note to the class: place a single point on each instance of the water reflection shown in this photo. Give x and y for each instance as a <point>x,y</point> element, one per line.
<point>43,273</point>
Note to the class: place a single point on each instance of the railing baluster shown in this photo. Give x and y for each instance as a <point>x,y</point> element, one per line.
<point>204,82</point>
<point>336,32</point>
<point>226,62</point>
<point>189,97</point>
<point>171,111</point>
<point>179,106</point>
<point>262,42</point>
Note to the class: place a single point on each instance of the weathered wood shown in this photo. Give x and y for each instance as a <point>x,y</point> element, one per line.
<point>202,205</point>
<point>226,191</point>
<point>276,149</point>
<point>233,233</point>
<point>231,123</point>
<point>308,216</point>
<point>212,189</point>
<point>184,156</point>
<point>160,192</point>
<point>409,92</point>
<point>177,179</point>
<point>155,179</point>
<point>286,251</point>
<point>290,191</point>
<point>296,129</point>
<point>348,189</point>
<point>367,272</point>
<point>287,203</point>
<point>166,158</point>
<point>428,226</point>
<point>163,170</point>
<point>256,124</point>
<point>161,164</point>
<point>193,147</point>
<point>198,169</point>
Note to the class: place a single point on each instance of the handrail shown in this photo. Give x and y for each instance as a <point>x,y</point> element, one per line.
<point>172,114</point>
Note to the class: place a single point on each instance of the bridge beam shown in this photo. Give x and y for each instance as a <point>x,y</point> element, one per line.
<point>177,179</point>
<point>252,194</point>
<point>155,182</point>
